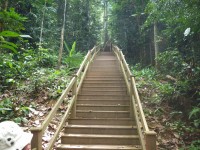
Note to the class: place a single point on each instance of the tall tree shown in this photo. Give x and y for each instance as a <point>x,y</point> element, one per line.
<point>156,48</point>
<point>62,35</point>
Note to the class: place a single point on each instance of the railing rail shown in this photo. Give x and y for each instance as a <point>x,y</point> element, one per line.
<point>147,137</point>
<point>74,86</point>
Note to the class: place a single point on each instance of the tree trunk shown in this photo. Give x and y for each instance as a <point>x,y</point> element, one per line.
<point>62,37</point>
<point>156,43</point>
<point>5,7</point>
<point>151,56</point>
<point>42,24</point>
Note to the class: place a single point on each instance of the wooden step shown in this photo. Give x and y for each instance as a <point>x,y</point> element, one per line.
<point>104,70</point>
<point>114,92</point>
<point>104,81</point>
<point>108,78</point>
<point>102,114</point>
<point>108,59</point>
<point>104,102</point>
<point>111,76</point>
<point>98,147</point>
<point>104,63</point>
<point>102,121</point>
<point>103,66</point>
<point>103,107</point>
<point>113,67</point>
<point>91,139</point>
<point>103,73</point>
<point>106,53</point>
<point>102,88</point>
<point>99,63</point>
<point>102,97</point>
<point>101,129</point>
<point>103,84</point>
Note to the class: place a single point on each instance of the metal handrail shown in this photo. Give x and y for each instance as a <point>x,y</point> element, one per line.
<point>147,137</point>
<point>73,86</point>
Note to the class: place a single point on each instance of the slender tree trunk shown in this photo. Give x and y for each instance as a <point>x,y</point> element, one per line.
<point>150,51</point>
<point>62,36</point>
<point>42,24</point>
<point>156,43</point>
<point>6,5</point>
<point>3,6</point>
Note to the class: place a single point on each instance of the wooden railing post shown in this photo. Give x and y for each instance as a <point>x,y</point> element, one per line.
<point>36,142</point>
<point>150,139</point>
<point>90,57</point>
<point>74,93</point>
<point>131,96</point>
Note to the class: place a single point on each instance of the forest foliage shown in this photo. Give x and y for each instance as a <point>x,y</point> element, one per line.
<point>29,43</point>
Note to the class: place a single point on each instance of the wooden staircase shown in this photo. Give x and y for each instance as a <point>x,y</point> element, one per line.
<point>104,111</point>
<point>103,120</point>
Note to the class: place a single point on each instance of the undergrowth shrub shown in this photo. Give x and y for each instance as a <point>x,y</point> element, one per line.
<point>194,146</point>
<point>47,58</point>
<point>43,79</point>
<point>170,62</point>
<point>194,116</point>
<point>73,58</point>
<point>13,108</point>
<point>16,67</point>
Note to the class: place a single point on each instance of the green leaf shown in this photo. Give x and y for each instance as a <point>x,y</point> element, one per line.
<point>9,34</point>
<point>196,123</point>
<point>9,43</point>
<point>8,47</point>
<point>134,15</point>
<point>72,51</point>
<point>10,80</point>
<point>67,47</point>
<point>25,36</point>
<point>24,120</point>
<point>195,111</point>
<point>5,109</point>
<point>10,64</point>
<point>18,120</point>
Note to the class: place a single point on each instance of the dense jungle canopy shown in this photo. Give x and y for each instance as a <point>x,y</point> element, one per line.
<point>42,41</point>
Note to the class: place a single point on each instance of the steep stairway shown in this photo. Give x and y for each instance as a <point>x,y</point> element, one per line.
<point>103,119</point>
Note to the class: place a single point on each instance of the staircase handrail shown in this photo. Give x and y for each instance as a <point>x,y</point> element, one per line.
<point>147,137</point>
<point>73,86</point>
